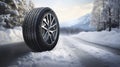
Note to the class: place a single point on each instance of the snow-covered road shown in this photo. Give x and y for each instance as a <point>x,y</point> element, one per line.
<point>69,52</point>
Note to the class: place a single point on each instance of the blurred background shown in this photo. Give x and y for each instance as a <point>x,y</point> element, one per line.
<point>89,34</point>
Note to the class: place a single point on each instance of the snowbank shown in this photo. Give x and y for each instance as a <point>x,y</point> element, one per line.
<point>11,35</point>
<point>107,38</point>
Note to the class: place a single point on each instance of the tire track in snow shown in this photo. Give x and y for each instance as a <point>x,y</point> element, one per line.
<point>84,58</point>
<point>109,58</point>
<point>104,47</point>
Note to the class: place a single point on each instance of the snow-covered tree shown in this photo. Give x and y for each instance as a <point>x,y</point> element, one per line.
<point>106,14</point>
<point>15,10</point>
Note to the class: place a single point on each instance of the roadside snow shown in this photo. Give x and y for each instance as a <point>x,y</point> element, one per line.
<point>60,56</point>
<point>11,35</point>
<point>107,57</point>
<point>107,38</point>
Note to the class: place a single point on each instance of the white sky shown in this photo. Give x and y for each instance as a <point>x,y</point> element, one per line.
<point>67,9</point>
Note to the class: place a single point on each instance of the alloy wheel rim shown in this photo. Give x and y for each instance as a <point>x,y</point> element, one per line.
<point>49,28</point>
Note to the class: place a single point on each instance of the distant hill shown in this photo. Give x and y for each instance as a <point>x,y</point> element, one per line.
<point>77,25</point>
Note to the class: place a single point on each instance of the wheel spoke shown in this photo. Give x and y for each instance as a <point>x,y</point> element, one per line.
<point>51,38</point>
<point>45,34</point>
<point>53,25</point>
<point>52,31</point>
<point>45,37</point>
<point>53,34</point>
<point>45,21</point>
<point>43,27</point>
<point>52,20</point>
<point>48,19</point>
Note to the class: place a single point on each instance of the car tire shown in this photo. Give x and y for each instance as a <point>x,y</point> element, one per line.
<point>41,29</point>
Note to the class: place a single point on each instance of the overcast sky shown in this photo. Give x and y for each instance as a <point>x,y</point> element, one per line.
<point>67,9</point>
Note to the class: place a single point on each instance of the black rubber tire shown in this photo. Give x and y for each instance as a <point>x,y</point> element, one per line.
<point>31,31</point>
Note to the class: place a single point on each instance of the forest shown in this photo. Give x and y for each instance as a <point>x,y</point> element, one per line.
<point>106,14</point>
<point>12,12</point>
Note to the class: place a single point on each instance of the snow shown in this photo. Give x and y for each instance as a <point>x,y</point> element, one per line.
<point>59,56</point>
<point>111,39</point>
<point>64,53</point>
<point>102,54</point>
<point>103,10</point>
<point>11,35</point>
<point>67,53</point>
<point>2,19</point>
<point>106,38</point>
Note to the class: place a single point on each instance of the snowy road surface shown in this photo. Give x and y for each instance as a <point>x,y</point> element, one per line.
<point>69,52</point>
